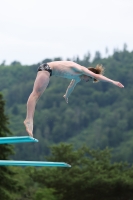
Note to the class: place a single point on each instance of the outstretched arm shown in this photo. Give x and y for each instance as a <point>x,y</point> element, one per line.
<point>101,77</point>
<point>70,88</point>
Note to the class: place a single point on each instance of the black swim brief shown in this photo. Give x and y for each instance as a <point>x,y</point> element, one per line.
<point>45,67</point>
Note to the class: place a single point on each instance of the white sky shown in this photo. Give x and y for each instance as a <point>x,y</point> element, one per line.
<point>32,30</point>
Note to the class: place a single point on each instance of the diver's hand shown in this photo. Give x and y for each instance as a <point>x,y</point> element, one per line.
<point>118,84</point>
<point>66,99</point>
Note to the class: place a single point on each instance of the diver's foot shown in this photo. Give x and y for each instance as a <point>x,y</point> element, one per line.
<point>29,127</point>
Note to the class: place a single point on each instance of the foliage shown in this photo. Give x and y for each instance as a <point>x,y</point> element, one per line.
<point>45,194</point>
<point>8,184</point>
<point>92,175</point>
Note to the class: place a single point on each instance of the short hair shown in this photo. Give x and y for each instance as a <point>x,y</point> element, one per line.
<point>97,70</point>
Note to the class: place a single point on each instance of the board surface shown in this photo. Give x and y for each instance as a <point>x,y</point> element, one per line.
<point>19,139</point>
<point>33,163</point>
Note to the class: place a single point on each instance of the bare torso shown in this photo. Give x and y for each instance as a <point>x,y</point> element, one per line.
<point>66,69</point>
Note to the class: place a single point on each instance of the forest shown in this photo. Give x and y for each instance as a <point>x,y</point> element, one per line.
<point>93,133</point>
<point>98,114</point>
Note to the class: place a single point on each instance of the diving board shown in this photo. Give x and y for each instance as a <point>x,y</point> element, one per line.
<point>19,139</point>
<point>33,163</point>
<point>22,139</point>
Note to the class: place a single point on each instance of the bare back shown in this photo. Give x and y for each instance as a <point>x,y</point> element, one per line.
<point>66,69</point>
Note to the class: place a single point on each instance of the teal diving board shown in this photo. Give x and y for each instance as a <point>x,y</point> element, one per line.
<point>33,163</point>
<point>19,139</point>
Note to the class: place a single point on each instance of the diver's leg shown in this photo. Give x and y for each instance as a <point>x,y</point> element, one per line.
<point>41,83</point>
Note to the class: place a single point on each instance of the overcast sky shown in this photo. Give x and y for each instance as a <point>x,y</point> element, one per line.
<point>32,30</point>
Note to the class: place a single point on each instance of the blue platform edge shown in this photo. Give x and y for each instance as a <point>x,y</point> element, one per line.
<point>33,163</point>
<point>19,139</point>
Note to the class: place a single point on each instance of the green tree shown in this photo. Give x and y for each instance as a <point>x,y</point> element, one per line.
<point>45,194</point>
<point>8,184</point>
<point>15,63</point>
<point>92,175</point>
